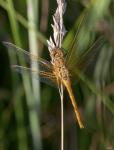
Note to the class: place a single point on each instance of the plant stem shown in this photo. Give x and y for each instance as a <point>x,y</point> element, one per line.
<point>24,22</point>
<point>62,117</point>
<point>32,11</point>
<point>22,144</point>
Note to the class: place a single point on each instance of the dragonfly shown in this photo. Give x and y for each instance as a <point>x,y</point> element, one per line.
<point>61,68</point>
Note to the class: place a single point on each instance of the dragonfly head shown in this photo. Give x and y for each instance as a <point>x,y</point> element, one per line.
<point>56,53</point>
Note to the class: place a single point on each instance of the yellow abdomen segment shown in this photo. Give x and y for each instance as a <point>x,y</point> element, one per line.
<point>67,84</point>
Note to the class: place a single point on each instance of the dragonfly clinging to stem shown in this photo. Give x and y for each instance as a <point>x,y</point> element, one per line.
<point>60,70</point>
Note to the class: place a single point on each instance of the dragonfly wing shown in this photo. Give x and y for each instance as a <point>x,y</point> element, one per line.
<point>72,46</point>
<point>45,77</point>
<point>86,57</point>
<point>28,56</point>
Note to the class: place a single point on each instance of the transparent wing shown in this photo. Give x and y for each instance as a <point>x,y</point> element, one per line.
<point>43,64</point>
<point>45,77</point>
<point>71,48</point>
<point>86,57</point>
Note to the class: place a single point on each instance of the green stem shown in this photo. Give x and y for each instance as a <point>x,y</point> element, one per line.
<point>32,11</point>
<point>24,22</point>
<point>26,82</point>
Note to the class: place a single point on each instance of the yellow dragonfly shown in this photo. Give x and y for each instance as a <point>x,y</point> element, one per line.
<point>61,69</point>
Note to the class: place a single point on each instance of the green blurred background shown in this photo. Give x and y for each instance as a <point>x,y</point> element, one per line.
<point>29,110</point>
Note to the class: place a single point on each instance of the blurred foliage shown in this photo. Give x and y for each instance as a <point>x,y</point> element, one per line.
<point>28,124</point>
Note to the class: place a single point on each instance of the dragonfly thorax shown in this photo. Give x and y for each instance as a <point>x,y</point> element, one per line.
<point>58,63</point>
